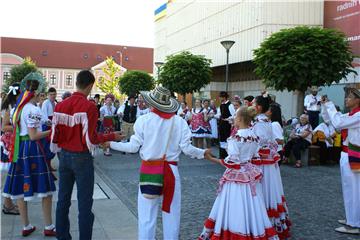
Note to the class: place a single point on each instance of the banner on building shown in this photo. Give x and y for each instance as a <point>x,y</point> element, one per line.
<point>345,16</point>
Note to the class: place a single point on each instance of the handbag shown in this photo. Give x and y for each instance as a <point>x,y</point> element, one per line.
<point>152,173</point>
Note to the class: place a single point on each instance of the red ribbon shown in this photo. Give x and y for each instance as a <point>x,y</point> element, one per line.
<point>162,114</point>
<point>169,186</point>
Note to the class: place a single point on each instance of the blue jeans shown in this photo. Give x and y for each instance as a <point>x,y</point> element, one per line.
<point>79,168</point>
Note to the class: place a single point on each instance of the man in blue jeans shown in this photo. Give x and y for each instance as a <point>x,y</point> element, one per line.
<point>75,138</point>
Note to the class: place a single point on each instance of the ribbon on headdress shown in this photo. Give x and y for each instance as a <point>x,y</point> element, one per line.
<point>23,99</point>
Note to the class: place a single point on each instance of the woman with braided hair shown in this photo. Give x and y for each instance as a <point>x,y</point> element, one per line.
<point>29,175</point>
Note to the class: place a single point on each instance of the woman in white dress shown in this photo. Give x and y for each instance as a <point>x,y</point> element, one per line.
<point>272,187</point>
<point>239,211</point>
<point>214,121</point>
<point>274,115</point>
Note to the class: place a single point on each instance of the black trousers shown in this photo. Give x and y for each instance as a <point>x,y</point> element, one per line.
<point>313,118</point>
<point>296,145</point>
<point>224,133</point>
<point>324,152</point>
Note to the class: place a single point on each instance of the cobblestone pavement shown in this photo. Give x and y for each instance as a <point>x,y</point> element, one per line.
<point>313,194</point>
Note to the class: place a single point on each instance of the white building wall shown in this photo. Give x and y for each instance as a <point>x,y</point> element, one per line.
<point>199,26</point>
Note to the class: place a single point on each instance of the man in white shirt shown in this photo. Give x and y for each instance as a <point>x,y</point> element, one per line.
<point>48,105</point>
<point>312,106</point>
<point>161,136</point>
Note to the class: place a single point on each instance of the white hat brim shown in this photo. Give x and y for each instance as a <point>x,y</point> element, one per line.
<point>171,108</point>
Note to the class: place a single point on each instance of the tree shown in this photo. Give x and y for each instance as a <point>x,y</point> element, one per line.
<point>300,57</point>
<point>18,72</point>
<point>110,81</point>
<point>132,82</point>
<point>185,73</point>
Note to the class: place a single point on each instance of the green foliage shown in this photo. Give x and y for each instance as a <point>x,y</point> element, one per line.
<point>110,81</point>
<point>18,72</point>
<point>297,58</point>
<point>132,82</point>
<point>185,73</point>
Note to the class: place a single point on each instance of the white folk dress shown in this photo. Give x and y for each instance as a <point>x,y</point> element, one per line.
<point>271,182</point>
<point>239,210</point>
<point>350,179</point>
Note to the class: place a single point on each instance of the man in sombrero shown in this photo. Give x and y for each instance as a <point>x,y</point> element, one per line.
<point>349,124</point>
<point>160,135</point>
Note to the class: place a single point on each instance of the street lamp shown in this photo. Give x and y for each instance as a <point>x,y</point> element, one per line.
<point>121,54</point>
<point>158,65</point>
<point>227,45</point>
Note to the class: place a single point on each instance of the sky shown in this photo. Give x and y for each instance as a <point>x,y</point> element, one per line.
<point>120,22</point>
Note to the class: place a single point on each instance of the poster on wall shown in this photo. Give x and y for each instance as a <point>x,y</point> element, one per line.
<point>345,16</point>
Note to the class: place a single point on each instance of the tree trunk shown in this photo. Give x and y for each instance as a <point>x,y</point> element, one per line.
<point>300,102</point>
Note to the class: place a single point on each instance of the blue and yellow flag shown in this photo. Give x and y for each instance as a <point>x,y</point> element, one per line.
<point>160,12</point>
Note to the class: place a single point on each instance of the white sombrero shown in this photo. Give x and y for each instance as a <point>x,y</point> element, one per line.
<point>160,98</point>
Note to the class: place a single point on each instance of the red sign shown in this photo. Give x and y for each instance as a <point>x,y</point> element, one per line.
<point>345,16</point>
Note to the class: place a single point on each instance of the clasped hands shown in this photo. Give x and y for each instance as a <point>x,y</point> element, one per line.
<point>118,137</point>
<point>208,156</point>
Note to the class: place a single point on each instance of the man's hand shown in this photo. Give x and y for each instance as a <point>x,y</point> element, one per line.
<point>119,136</point>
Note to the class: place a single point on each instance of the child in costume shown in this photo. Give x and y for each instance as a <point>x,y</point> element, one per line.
<point>239,210</point>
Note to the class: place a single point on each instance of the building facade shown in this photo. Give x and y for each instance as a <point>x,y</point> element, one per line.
<point>61,61</point>
<point>200,26</point>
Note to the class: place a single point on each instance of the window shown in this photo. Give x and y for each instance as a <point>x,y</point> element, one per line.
<point>69,80</point>
<point>6,75</point>
<point>52,79</point>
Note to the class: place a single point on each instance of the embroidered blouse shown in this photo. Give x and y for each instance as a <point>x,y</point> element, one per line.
<point>242,147</point>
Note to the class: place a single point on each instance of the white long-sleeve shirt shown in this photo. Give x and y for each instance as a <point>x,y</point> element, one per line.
<point>47,109</point>
<point>151,133</point>
<point>311,102</point>
<point>343,121</point>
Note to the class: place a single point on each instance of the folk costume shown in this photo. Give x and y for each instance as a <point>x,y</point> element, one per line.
<point>239,210</point>
<point>350,159</point>
<point>226,111</point>
<point>199,127</point>
<point>128,113</point>
<point>160,147</point>
<point>75,139</point>
<point>5,143</point>
<point>107,114</point>
<point>214,123</point>
<point>29,175</point>
<point>272,187</point>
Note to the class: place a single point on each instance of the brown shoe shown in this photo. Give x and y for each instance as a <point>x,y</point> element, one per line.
<point>11,210</point>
